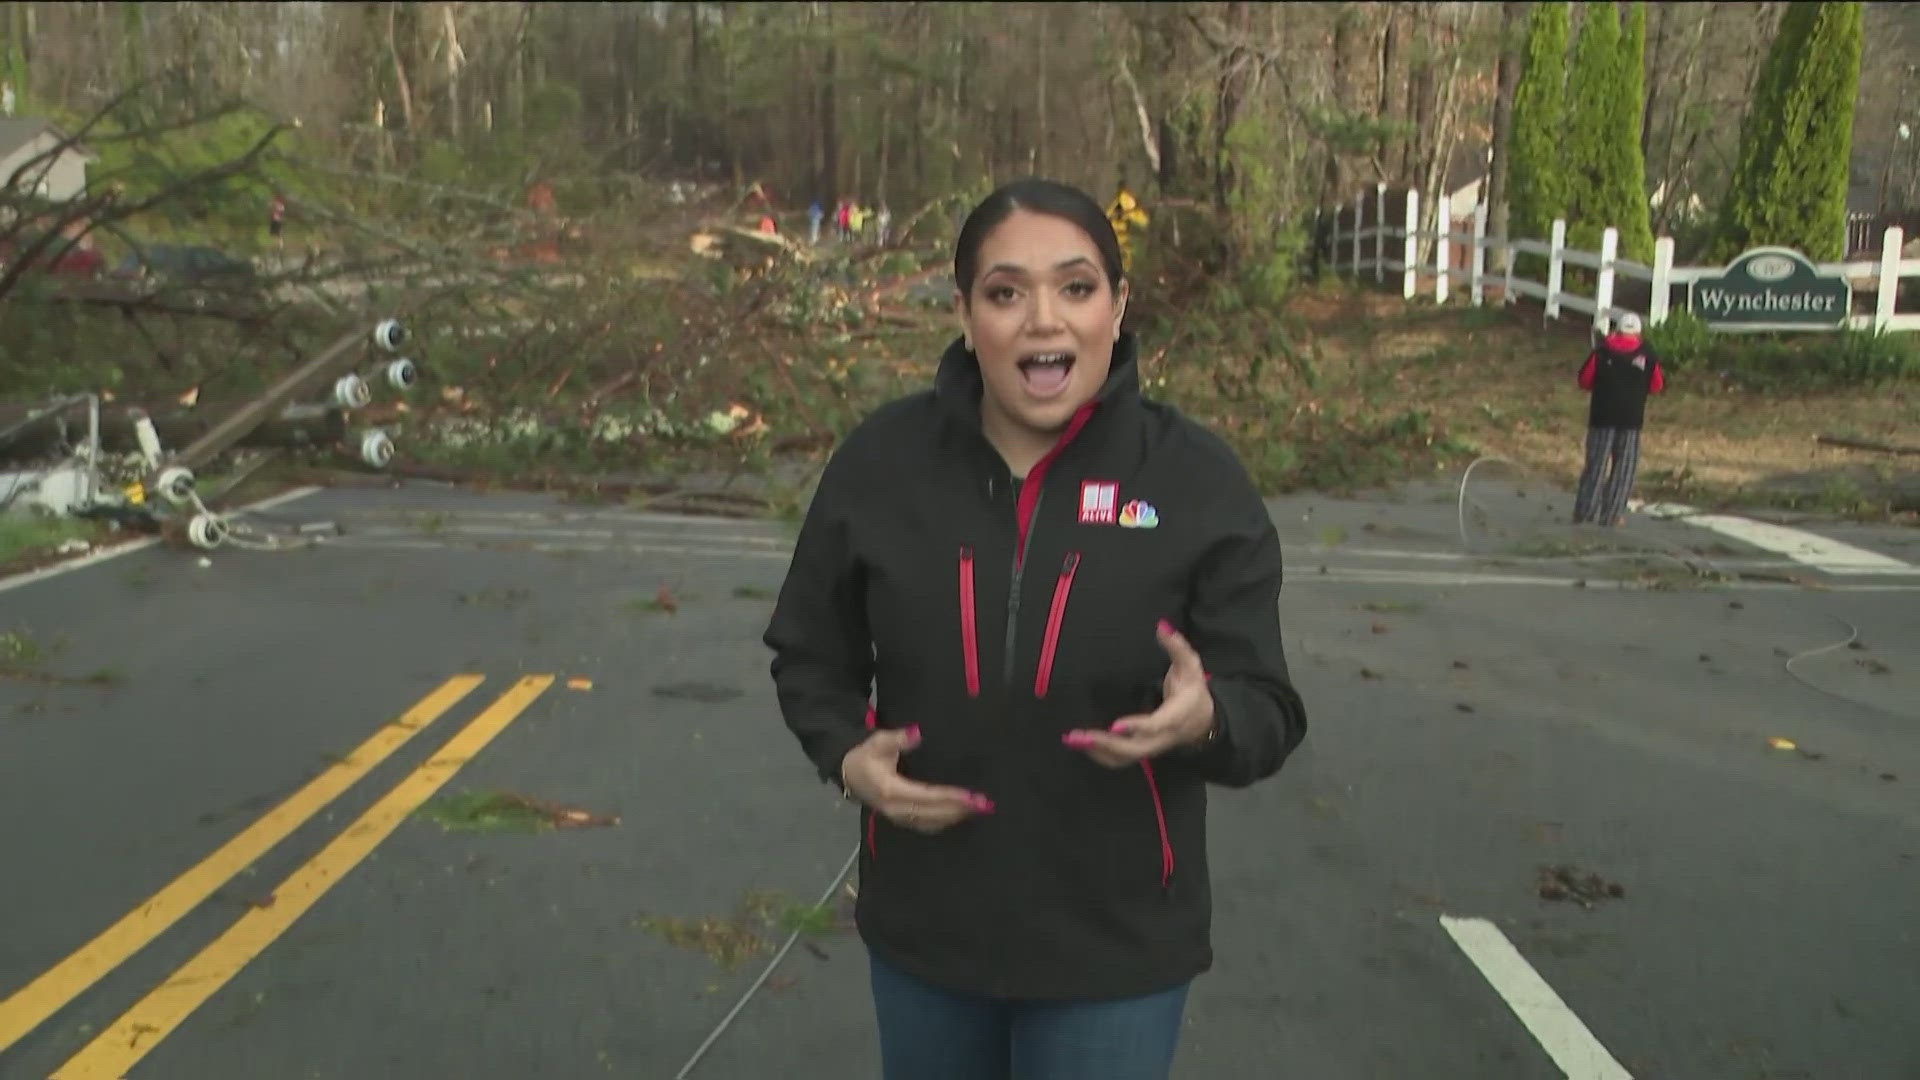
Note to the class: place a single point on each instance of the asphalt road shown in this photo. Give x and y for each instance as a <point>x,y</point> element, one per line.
<point>222,781</point>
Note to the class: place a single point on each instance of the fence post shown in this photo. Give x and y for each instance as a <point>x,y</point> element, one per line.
<point>1476,285</point>
<point>1359,216</point>
<point>1507,260</point>
<point>1603,289</point>
<point>1409,264</point>
<point>1556,243</point>
<point>1889,281</point>
<point>1380,231</point>
<point>1662,280</point>
<point>1442,249</point>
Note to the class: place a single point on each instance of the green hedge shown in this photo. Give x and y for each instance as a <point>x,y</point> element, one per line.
<point>1785,361</point>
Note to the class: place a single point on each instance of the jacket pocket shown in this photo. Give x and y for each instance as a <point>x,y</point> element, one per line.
<point>1056,615</point>
<point>1160,820</point>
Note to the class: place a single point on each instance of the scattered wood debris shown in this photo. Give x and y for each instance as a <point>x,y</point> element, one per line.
<point>1569,883</point>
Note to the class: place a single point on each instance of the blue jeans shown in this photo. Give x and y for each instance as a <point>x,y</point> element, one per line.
<point>927,1033</point>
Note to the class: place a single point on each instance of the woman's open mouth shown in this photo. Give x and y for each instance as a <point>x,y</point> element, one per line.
<point>1045,374</point>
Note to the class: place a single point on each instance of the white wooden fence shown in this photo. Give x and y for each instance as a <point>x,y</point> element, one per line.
<point>1384,249</point>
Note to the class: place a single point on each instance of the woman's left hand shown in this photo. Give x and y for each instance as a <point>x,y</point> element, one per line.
<point>1185,715</point>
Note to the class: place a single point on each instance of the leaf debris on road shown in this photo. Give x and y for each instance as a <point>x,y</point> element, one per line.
<point>1565,882</point>
<point>505,811</point>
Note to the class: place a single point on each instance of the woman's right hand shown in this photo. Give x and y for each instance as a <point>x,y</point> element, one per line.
<point>871,772</point>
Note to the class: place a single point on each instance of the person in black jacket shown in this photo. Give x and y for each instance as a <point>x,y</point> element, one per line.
<point>1030,616</point>
<point>1618,374</point>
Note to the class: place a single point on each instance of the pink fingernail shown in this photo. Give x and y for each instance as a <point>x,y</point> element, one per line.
<point>982,804</point>
<point>913,733</point>
<point>1120,727</point>
<point>1074,738</point>
<point>1165,627</point>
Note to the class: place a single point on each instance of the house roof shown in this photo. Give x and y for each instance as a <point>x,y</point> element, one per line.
<point>18,131</point>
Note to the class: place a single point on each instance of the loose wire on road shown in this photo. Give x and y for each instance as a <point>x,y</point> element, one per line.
<point>1853,632</point>
<point>1692,560</point>
<point>1853,635</point>
<point>714,1036</point>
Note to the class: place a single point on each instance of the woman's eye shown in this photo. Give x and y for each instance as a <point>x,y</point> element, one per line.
<point>1000,294</point>
<point>1081,289</point>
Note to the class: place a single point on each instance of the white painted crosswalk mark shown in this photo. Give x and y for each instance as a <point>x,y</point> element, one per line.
<point>1812,549</point>
<point>1559,1032</point>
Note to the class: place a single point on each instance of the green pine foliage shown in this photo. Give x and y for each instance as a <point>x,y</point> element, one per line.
<point>13,54</point>
<point>1592,86</point>
<point>1606,172</point>
<point>1536,193</point>
<point>1636,221</point>
<point>1789,185</point>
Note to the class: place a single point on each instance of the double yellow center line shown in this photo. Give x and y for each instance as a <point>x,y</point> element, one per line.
<point>110,1055</point>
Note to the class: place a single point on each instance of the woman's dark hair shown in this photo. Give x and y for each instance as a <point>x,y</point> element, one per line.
<point>1040,196</point>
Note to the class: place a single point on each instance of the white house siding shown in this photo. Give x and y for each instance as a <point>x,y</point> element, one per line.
<point>65,179</point>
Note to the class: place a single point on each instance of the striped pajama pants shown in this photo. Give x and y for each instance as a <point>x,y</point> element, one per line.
<point>1605,500</point>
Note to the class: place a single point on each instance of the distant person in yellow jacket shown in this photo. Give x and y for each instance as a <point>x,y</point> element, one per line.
<point>1125,212</point>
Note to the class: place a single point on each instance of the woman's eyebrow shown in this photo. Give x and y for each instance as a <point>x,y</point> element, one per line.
<point>1009,268</point>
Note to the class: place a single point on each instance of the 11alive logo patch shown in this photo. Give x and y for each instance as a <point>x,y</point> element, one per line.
<point>1100,505</point>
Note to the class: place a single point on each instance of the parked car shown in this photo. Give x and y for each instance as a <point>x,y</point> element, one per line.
<point>186,263</point>
<point>85,262</point>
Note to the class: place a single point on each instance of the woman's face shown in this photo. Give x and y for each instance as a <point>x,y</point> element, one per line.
<point>1042,319</point>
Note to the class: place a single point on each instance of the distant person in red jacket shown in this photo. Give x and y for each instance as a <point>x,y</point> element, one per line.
<point>1619,374</point>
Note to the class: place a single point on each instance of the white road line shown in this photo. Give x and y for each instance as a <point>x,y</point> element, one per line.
<point>545,516</point>
<point>509,531</point>
<point>1559,1032</point>
<point>103,554</point>
<point>1812,549</point>
<point>401,543</point>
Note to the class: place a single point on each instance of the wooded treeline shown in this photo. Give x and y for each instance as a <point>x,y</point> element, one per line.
<point>1243,116</point>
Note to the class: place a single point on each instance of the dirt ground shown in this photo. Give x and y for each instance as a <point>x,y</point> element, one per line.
<point>1499,380</point>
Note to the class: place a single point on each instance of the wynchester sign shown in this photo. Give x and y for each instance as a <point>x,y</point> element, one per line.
<point>1769,288</point>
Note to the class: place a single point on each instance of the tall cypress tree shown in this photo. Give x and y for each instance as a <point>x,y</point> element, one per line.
<point>1636,222</point>
<point>1536,192</point>
<point>13,53</point>
<point>1789,186</point>
<point>1592,85</point>
<point>1606,174</point>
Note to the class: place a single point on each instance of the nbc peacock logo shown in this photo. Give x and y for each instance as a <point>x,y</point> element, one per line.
<point>1139,514</point>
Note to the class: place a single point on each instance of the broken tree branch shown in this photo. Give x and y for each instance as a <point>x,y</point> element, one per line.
<point>1866,444</point>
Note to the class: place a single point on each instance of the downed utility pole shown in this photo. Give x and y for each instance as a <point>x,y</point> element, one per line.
<point>274,417</point>
<point>172,475</point>
<point>302,424</point>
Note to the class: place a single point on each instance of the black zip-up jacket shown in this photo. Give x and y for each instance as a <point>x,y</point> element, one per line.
<point>998,616</point>
<point>1620,373</point>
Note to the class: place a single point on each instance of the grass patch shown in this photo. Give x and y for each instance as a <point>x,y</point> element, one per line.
<point>1394,607</point>
<point>23,658</point>
<point>19,648</point>
<point>485,812</point>
<point>731,940</point>
<point>27,534</point>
